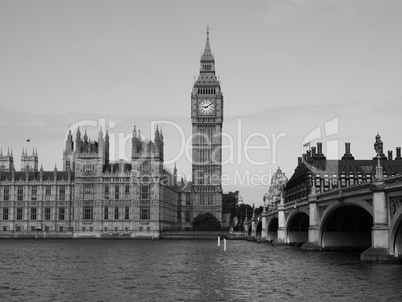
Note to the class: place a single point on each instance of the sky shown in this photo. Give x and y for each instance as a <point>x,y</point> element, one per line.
<point>286,68</point>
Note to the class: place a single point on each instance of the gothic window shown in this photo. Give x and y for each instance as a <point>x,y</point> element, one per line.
<point>127,212</point>
<point>127,192</point>
<point>343,182</point>
<point>62,193</point>
<point>116,192</point>
<point>187,216</point>
<point>145,167</point>
<point>62,213</point>
<point>89,191</point>
<point>34,193</point>
<point>188,202</point>
<point>326,184</point>
<point>20,192</point>
<point>88,169</point>
<point>145,194</point>
<point>48,191</point>
<point>106,191</point>
<point>88,212</point>
<point>19,213</point>
<point>106,213</point>
<point>145,210</point>
<point>33,213</point>
<point>6,193</point>
<point>5,213</point>
<point>116,213</point>
<point>47,213</point>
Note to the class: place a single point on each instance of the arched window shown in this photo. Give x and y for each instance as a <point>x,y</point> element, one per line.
<point>145,167</point>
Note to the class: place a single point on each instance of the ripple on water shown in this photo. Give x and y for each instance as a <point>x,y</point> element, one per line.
<point>79,270</point>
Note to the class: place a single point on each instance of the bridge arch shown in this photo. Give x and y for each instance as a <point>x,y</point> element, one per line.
<point>297,228</point>
<point>347,225</point>
<point>396,233</point>
<point>272,228</point>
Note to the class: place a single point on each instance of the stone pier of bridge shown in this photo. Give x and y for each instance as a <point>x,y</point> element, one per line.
<point>366,217</point>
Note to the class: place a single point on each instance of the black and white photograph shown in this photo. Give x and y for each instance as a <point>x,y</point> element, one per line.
<point>200,150</point>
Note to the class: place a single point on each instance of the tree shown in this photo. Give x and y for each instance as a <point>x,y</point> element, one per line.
<point>229,203</point>
<point>206,222</point>
<point>258,210</point>
<point>242,209</point>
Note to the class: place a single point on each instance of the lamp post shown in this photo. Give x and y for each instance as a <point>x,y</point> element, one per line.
<point>264,200</point>
<point>240,202</point>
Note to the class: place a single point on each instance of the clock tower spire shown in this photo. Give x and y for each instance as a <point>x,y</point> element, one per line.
<point>207,120</point>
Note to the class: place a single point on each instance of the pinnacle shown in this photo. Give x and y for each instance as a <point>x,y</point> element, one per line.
<point>207,55</point>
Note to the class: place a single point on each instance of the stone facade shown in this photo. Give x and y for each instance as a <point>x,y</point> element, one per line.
<point>207,120</point>
<point>94,197</point>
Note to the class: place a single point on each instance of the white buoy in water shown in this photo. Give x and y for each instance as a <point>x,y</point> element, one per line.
<point>219,241</point>
<point>224,244</point>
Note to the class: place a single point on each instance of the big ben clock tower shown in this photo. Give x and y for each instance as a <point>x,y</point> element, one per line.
<point>207,119</point>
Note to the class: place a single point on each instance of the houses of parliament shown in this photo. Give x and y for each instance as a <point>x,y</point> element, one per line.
<point>96,197</point>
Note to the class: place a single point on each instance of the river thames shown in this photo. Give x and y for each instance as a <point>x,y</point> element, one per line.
<point>167,270</point>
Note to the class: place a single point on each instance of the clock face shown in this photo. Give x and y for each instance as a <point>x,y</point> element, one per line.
<point>206,107</point>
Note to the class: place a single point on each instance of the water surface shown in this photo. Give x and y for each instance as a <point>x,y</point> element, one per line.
<point>167,270</point>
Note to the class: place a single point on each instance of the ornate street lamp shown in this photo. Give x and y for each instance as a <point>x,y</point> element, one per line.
<point>265,201</point>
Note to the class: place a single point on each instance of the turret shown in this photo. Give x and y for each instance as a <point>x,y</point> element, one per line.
<point>157,143</point>
<point>55,173</point>
<point>135,143</point>
<point>85,143</point>
<point>69,143</point>
<point>101,145</point>
<point>6,161</point>
<point>41,173</point>
<point>107,146</point>
<point>161,147</point>
<point>175,175</point>
<point>29,162</point>
<point>68,152</point>
<point>78,141</point>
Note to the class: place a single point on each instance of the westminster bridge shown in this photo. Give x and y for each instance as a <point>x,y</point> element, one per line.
<point>366,216</point>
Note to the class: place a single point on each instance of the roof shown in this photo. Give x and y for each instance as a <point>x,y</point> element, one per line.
<point>207,56</point>
<point>336,168</point>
